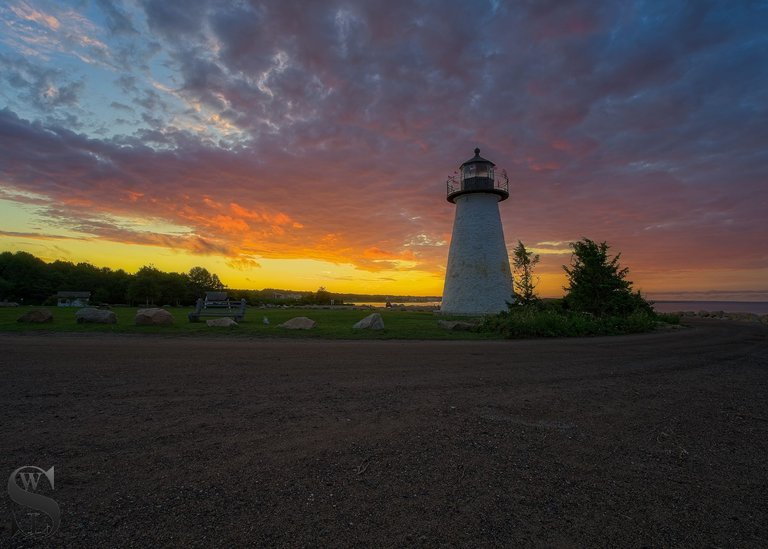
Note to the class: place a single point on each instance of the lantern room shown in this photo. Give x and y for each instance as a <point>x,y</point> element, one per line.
<point>477,175</point>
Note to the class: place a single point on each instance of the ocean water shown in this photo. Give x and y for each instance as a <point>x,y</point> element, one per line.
<point>406,303</point>
<point>756,307</point>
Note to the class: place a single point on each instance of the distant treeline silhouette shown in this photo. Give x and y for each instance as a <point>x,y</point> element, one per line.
<point>27,279</point>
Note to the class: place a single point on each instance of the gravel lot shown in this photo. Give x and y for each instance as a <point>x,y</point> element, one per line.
<point>649,440</point>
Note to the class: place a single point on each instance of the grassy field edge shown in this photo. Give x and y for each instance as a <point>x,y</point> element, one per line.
<point>331,324</point>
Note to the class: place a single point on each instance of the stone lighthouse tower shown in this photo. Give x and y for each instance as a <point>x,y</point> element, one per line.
<point>478,279</point>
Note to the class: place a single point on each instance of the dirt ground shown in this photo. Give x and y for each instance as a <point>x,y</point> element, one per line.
<point>649,440</point>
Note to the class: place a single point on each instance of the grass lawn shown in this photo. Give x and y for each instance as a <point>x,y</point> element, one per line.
<point>331,324</point>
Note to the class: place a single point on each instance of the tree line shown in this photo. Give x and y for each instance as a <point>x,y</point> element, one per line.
<point>27,279</point>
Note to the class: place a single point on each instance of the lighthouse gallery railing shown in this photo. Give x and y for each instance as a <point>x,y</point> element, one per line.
<point>455,184</point>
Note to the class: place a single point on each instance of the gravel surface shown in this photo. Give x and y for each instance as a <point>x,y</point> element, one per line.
<point>649,440</point>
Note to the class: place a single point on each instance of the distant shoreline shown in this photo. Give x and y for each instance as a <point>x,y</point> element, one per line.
<point>661,306</point>
<point>670,306</point>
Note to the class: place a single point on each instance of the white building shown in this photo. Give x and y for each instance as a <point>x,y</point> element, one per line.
<point>478,279</point>
<point>73,299</point>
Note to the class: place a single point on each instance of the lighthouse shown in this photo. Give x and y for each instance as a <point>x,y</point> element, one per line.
<point>477,279</point>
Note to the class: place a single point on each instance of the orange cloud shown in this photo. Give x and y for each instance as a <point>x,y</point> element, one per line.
<point>228,224</point>
<point>377,253</point>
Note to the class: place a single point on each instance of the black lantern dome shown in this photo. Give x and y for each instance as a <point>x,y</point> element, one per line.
<point>477,175</point>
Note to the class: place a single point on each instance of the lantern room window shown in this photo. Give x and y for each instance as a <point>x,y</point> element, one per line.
<point>477,170</point>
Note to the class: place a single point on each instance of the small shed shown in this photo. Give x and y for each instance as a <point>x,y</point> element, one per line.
<point>73,299</point>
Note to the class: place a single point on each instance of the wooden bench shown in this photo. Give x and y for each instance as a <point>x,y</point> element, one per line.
<point>217,304</point>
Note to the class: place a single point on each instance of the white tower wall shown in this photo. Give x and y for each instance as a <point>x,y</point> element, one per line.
<point>478,278</point>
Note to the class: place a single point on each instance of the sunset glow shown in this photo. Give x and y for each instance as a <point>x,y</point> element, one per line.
<point>299,144</point>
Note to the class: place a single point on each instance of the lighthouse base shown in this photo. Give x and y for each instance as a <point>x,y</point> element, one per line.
<point>478,280</point>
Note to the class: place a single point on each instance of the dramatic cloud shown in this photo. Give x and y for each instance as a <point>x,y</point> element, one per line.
<point>325,130</point>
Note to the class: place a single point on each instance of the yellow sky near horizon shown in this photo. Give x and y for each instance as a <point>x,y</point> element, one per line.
<point>24,228</point>
<point>309,274</point>
<point>293,274</point>
<point>256,249</point>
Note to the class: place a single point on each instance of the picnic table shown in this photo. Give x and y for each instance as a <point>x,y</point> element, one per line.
<point>217,304</point>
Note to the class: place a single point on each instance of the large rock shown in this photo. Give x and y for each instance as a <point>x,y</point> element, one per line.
<point>456,325</point>
<point>224,322</point>
<point>91,315</point>
<point>298,323</point>
<point>371,322</point>
<point>153,317</point>
<point>37,316</point>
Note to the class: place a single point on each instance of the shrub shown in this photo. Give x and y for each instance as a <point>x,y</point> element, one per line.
<point>668,318</point>
<point>550,322</point>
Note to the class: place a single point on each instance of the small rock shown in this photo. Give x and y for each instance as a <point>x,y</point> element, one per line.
<point>456,325</point>
<point>36,316</point>
<point>266,321</point>
<point>225,322</point>
<point>153,317</point>
<point>371,322</point>
<point>92,315</point>
<point>298,323</point>
<point>749,317</point>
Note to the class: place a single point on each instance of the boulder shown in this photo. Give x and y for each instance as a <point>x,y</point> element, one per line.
<point>456,325</point>
<point>224,322</point>
<point>91,315</point>
<point>298,323</point>
<point>153,317</point>
<point>749,317</point>
<point>37,316</point>
<point>371,322</point>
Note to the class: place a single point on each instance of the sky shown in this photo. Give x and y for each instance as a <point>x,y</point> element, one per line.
<point>298,144</point>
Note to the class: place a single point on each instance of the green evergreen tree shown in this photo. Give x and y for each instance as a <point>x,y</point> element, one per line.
<point>524,261</point>
<point>597,284</point>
